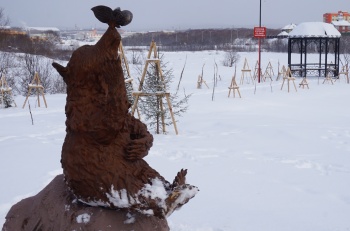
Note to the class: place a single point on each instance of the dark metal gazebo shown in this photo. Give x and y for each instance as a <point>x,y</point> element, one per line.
<point>319,37</point>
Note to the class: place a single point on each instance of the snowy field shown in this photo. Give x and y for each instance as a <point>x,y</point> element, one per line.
<point>269,161</point>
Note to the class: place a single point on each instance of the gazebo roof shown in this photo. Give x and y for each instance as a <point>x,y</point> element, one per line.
<point>283,33</point>
<point>289,27</point>
<point>315,29</point>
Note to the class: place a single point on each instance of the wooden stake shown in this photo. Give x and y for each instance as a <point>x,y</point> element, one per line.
<point>124,61</point>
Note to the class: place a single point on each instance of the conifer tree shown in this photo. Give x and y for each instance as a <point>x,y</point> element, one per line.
<point>7,99</point>
<point>152,105</point>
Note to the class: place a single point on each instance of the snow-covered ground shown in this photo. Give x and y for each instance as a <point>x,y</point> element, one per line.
<point>269,161</point>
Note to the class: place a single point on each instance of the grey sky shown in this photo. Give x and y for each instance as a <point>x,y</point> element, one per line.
<point>169,15</point>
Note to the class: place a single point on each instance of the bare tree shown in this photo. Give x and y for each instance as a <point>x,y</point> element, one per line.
<point>8,67</point>
<point>46,74</point>
<point>4,20</point>
<point>28,69</point>
<point>230,58</point>
<point>345,49</point>
<point>6,62</point>
<point>137,56</point>
<point>58,85</point>
<point>35,64</point>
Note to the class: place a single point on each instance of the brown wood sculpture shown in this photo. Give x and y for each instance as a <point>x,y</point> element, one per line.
<point>102,154</point>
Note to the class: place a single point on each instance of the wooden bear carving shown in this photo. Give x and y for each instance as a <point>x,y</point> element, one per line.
<point>102,154</point>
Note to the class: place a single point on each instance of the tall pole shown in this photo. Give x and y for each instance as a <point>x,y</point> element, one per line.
<point>260,15</point>
<point>259,69</point>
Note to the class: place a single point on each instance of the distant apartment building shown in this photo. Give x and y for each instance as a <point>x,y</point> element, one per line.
<point>43,33</point>
<point>340,20</point>
<point>11,31</point>
<point>329,17</point>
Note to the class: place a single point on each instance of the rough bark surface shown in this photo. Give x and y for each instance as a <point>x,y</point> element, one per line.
<point>56,209</point>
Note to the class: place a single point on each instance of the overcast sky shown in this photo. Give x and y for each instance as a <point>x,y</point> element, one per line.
<point>170,15</point>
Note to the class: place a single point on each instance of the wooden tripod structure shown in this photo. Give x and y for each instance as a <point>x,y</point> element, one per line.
<point>234,87</point>
<point>201,80</point>
<point>328,79</point>
<point>160,94</point>
<point>36,84</point>
<point>5,89</point>
<point>288,77</point>
<point>281,72</point>
<point>268,72</point>
<point>246,70</point>
<point>256,71</point>
<point>344,71</point>
<point>304,83</point>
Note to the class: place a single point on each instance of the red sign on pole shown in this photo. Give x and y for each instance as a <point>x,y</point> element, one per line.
<point>259,32</point>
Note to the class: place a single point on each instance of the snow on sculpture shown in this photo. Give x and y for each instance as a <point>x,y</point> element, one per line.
<point>102,154</point>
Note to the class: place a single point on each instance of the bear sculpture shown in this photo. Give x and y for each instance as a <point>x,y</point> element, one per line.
<point>102,154</point>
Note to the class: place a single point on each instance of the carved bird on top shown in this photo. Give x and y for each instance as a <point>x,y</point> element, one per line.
<point>115,18</point>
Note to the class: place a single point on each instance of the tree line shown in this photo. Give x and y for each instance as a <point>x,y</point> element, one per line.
<point>200,39</point>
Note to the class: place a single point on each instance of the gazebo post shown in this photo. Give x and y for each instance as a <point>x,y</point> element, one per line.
<point>326,58</point>
<point>319,61</point>
<point>289,53</point>
<point>337,56</point>
<point>301,56</point>
<point>305,56</point>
